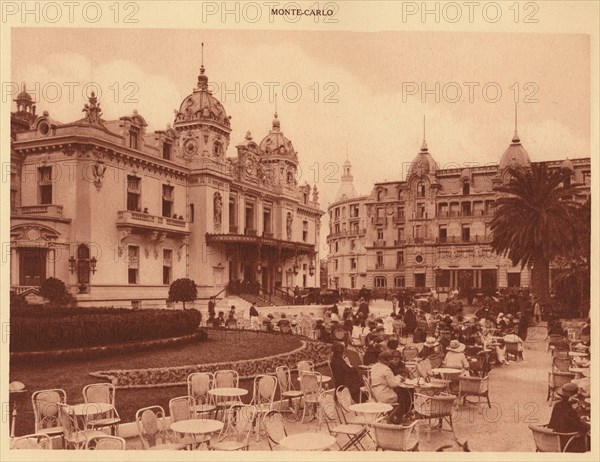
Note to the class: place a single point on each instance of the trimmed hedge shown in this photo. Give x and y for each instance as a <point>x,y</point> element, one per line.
<point>40,329</point>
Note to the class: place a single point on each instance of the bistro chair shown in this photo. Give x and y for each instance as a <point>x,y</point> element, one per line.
<point>557,380</point>
<point>425,371</point>
<point>344,400</point>
<point>227,378</point>
<point>305,366</point>
<point>262,398</point>
<point>553,340</point>
<point>45,410</point>
<point>547,440</point>
<point>110,443</point>
<point>354,432</point>
<point>153,430</point>
<point>390,437</point>
<point>275,428</point>
<point>33,441</point>
<point>473,386</point>
<point>103,393</point>
<point>512,351</point>
<point>558,353</point>
<point>244,417</point>
<point>287,390</point>
<point>198,385</point>
<point>311,387</point>
<point>73,435</point>
<point>181,408</point>
<point>410,353</point>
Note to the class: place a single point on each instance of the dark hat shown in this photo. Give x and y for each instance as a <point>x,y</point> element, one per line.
<point>270,316</point>
<point>396,354</point>
<point>568,390</point>
<point>385,356</point>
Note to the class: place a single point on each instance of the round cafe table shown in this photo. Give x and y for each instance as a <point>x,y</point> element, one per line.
<point>89,409</point>
<point>221,396</point>
<point>308,441</point>
<point>324,378</point>
<point>195,427</point>
<point>371,411</point>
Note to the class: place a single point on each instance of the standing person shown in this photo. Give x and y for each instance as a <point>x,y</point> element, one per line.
<point>394,304</point>
<point>363,307</point>
<point>523,325</point>
<point>253,317</point>
<point>211,307</point>
<point>564,419</point>
<point>537,310</point>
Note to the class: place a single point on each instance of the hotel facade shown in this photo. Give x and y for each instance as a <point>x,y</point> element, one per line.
<point>118,212</point>
<point>430,230</point>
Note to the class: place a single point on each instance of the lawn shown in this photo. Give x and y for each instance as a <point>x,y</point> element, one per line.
<point>72,376</point>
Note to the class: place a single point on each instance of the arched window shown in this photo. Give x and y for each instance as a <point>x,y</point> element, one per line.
<point>420,189</point>
<point>466,188</point>
<point>380,195</point>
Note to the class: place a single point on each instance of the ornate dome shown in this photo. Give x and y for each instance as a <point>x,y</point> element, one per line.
<point>276,144</point>
<point>423,164</point>
<point>515,155</point>
<point>23,96</point>
<point>202,106</point>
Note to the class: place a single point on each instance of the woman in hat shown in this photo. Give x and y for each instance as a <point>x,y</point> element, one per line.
<point>455,356</point>
<point>564,419</point>
<point>343,373</point>
<point>429,348</point>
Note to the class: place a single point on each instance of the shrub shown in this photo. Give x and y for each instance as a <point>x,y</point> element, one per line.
<point>56,292</point>
<point>75,328</point>
<point>183,290</point>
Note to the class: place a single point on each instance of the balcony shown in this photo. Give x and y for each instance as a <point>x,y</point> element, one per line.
<point>268,234</point>
<point>49,210</point>
<point>250,232</point>
<point>379,243</point>
<point>399,242</point>
<point>144,221</point>
<point>233,229</point>
<point>379,266</point>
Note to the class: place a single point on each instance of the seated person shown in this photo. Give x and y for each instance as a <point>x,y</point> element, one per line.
<point>283,324</point>
<point>429,348</point>
<point>514,338</point>
<point>268,323</point>
<point>455,356</point>
<point>373,350</point>
<point>220,319</point>
<point>388,388</point>
<point>564,419</point>
<point>321,332</point>
<point>398,367</point>
<point>343,373</point>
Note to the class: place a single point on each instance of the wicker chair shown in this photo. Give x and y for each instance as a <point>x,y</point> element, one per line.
<point>108,443</point>
<point>198,385</point>
<point>390,437</point>
<point>554,339</point>
<point>45,410</point>
<point>435,407</point>
<point>244,417</point>
<point>410,353</point>
<point>512,351</point>
<point>473,386</point>
<point>287,390</point>
<point>547,440</point>
<point>153,430</point>
<point>33,441</point>
<point>181,408</point>
<point>103,393</point>
<point>354,432</point>
<point>305,366</point>
<point>557,380</point>
<point>561,364</point>
<point>227,378</point>
<point>275,428</point>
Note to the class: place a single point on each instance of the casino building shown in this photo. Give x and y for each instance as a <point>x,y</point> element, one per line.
<point>430,230</point>
<point>118,212</point>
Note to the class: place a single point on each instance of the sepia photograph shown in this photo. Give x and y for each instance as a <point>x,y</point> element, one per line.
<point>299,227</point>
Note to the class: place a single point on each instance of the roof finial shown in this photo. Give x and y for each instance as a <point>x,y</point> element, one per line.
<point>276,123</point>
<point>424,145</point>
<point>347,151</point>
<point>202,58</point>
<point>516,139</point>
<point>275,105</point>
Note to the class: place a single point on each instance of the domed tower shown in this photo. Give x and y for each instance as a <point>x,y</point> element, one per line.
<point>346,189</point>
<point>202,124</point>
<point>24,116</point>
<point>278,153</point>
<point>515,155</point>
<point>423,164</point>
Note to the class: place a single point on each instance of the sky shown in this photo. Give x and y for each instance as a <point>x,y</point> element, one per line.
<point>362,95</point>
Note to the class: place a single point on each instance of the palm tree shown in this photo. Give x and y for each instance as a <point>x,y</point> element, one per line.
<point>534,222</point>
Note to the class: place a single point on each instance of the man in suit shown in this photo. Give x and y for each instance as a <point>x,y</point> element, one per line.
<point>564,419</point>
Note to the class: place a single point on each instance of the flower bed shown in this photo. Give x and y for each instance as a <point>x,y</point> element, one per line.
<point>317,352</point>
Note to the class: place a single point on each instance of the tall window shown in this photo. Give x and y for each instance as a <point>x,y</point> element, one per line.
<point>45,185</point>
<point>354,211</point>
<point>13,200</point>
<point>420,189</point>
<point>337,246</point>
<point>352,244</point>
<point>249,217</point>
<point>352,282</point>
<point>335,264</point>
<point>399,259</point>
<point>134,137</point>
<point>192,213</point>
<point>133,261</point>
<point>418,232</point>
<point>353,263</point>
<point>379,263</point>
<point>443,236</point>
<point>305,231</point>
<point>167,200</point>
<point>217,149</point>
<point>266,221</point>
<point>167,266</point>
<point>466,188</point>
<point>400,235</point>
<point>421,211</point>
<point>134,194</point>
<point>466,233</point>
<point>399,281</point>
<point>401,212</point>
<point>232,214</point>
<point>379,234</point>
<point>380,195</point>
<point>166,151</point>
